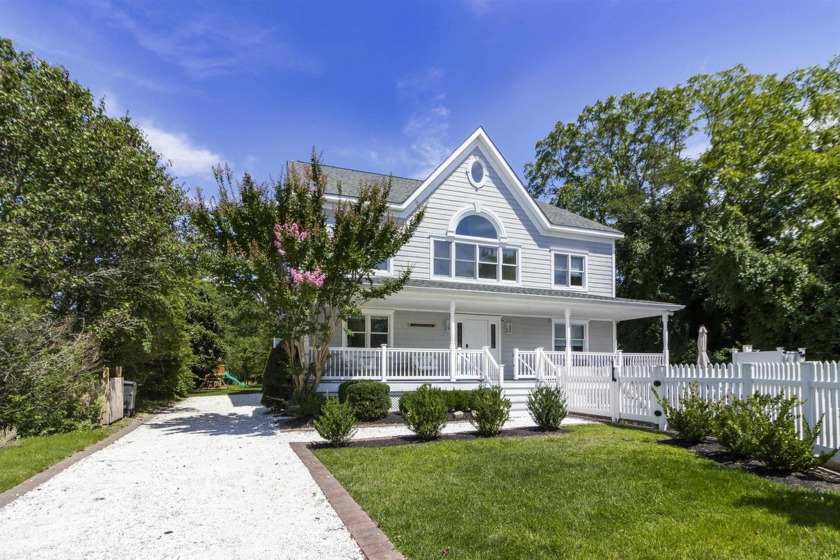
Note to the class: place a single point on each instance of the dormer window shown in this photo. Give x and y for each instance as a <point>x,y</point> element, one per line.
<point>461,259</point>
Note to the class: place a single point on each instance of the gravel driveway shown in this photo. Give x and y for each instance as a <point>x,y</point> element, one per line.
<point>211,478</point>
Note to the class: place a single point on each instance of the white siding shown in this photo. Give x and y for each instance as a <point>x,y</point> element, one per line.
<point>535,269</point>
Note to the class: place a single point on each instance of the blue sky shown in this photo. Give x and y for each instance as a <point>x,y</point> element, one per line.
<point>392,87</point>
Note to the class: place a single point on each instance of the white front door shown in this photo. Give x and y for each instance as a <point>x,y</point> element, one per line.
<point>475,332</point>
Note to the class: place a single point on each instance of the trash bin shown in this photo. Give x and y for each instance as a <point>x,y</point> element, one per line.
<point>129,396</point>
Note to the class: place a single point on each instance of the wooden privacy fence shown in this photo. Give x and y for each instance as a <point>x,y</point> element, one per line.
<point>111,389</point>
<point>624,391</point>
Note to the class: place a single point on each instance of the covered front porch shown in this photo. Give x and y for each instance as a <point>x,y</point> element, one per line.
<point>471,334</point>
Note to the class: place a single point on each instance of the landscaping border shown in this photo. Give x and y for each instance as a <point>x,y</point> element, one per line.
<point>374,543</point>
<point>38,479</point>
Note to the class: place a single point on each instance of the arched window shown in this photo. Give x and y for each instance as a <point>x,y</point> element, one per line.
<point>476,226</point>
<point>468,259</point>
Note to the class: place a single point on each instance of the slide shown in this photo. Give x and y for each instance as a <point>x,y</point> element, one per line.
<point>235,380</point>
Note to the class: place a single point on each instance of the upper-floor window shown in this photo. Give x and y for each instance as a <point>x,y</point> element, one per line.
<point>569,271</point>
<point>476,226</point>
<point>469,260</point>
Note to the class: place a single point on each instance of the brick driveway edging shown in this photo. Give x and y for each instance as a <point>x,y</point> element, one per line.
<point>370,538</point>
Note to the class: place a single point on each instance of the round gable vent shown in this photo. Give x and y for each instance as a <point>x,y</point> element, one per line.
<point>476,173</point>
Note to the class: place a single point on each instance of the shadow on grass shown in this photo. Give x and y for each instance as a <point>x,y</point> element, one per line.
<point>216,424</point>
<point>805,509</point>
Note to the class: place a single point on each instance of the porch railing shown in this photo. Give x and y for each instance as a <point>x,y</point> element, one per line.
<point>412,364</point>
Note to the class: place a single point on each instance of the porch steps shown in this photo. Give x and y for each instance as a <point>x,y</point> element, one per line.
<point>518,397</point>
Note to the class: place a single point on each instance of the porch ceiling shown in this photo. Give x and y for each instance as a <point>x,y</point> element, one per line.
<point>476,299</point>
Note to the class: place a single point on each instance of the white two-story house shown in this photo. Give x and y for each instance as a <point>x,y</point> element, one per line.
<point>504,288</point>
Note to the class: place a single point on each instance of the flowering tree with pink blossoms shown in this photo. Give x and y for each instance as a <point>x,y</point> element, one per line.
<point>309,263</point>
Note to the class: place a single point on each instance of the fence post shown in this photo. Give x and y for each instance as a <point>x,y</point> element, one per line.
<point>809,407</point>
<point>746,380</point>
<point>516,363</point>
<point>453,363</point>
<point>501,375</point>
<point>615,386</point>
<point>539,359</point>
<point>383,363</point>
<point>658,375</point>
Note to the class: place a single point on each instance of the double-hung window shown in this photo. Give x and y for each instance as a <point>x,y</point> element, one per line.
<point>578,337</point>
<point>464,258</point>
<point>569,271</point>
<point>368,331</point>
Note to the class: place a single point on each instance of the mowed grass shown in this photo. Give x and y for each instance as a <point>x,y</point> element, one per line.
<point>21,459</point>
<point>596,492</point>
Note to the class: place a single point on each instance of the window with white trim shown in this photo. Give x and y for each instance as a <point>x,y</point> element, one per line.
<point>569,271</point>
<point>578,337</point>
<point>368,331</point>
<point>383,268</point>
<point>471,260</point>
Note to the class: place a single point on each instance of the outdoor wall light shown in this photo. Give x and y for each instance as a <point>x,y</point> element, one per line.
<point>508,328</point>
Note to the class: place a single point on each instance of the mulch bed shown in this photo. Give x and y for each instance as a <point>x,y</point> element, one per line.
<point>820,479</point>
<point>393,419</point>
<point>460,436</point>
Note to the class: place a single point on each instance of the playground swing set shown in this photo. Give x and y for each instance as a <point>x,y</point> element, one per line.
<point>218,379</point>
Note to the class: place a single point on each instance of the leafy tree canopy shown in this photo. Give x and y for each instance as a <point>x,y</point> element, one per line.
<point>727,189</point>
<point>309,264</point>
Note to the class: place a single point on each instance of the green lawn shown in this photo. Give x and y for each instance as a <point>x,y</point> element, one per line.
<point>596,492</point>
<point>26,457</point>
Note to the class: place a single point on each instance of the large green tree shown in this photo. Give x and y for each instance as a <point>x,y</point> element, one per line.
<point>726,188</point>
<point>89,219</point>
<point>309,264</point>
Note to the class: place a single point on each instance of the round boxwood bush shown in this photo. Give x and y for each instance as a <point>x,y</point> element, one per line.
<point>490,411</point>
<point>371,400</point>
<point>424,411</point>
<point>547,406</point>
<point>336,423</point>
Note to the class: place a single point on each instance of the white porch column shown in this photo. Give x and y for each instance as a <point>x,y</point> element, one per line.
<point>453,353</point>
<point>568,338</point>
<point>665,357</point>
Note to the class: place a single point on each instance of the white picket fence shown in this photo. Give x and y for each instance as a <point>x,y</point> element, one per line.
<point>624,391</point>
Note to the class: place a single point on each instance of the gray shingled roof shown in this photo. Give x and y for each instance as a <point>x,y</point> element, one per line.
<point>518,290</point>
<point>402,188</point>
<point>561,217</point>
<point>351,180</point>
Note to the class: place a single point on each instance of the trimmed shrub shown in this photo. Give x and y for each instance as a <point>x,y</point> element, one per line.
<point>342,389</point>
<point>547,406</point>
<point>308,407</point>
<point>424,411</point>
<point>490,411</point>
<point>277,383</point>
<point>764,428</point>
<point>459,400</point>
<point>692,417</point>
<point>370,399</point>
<point>337,422</point>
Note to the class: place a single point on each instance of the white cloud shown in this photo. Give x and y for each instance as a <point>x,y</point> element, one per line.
<point>188,159</point>
<point>204,46</point>
<point>428,121</point>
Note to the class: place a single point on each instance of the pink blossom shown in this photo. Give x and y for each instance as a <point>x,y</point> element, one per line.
<point>316,277</point>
